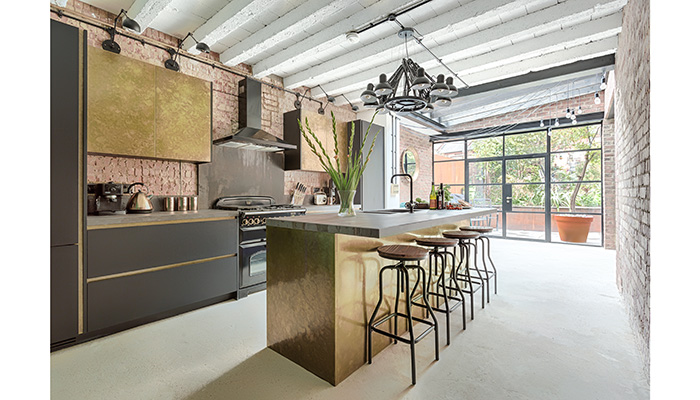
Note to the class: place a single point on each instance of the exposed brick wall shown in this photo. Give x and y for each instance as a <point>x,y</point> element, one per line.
<point>173,177</point>
<point>409,139</point>
<point>632,167</point>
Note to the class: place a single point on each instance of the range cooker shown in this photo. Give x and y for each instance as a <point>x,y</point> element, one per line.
<point>252,248</point>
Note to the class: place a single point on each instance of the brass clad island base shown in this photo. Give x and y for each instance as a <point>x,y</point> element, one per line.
<point>321,291</point>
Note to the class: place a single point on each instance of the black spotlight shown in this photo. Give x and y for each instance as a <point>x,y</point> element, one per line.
<point>128,24</point>
<point>172,64</point>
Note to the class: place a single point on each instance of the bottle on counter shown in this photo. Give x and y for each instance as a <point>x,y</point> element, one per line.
<point>433,198</point>
<point>441,198</point>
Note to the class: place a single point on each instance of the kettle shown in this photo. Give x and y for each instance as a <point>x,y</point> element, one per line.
<point>139,202</point>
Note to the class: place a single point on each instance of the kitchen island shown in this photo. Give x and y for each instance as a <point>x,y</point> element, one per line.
<point>323,282</point>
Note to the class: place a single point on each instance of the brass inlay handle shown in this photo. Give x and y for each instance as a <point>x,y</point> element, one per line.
<point>180,221</point>
<point>160,268</point>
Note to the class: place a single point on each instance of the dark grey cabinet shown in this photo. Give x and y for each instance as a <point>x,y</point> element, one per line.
<point>65,131</point>
<point>64,293</point>
<point>144,273</point>
<point>67,179</point>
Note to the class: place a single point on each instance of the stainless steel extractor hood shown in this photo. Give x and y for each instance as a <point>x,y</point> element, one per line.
<point>250,135</point>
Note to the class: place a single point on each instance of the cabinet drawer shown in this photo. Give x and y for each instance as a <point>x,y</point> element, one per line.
<point>119,300</point>
<point>119,250</point>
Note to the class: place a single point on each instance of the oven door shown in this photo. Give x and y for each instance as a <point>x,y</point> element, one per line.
<point>253,263</point>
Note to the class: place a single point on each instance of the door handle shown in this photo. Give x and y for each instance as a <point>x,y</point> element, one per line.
<point>509,198</point>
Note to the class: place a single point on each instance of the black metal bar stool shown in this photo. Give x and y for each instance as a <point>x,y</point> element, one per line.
<point>439,252</point>
<point>471,284</point>
<point>485,252</point>
<point>403,253</point>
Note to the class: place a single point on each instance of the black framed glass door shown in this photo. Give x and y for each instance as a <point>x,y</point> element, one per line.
<point>533,179</point>
<point>524,195</point>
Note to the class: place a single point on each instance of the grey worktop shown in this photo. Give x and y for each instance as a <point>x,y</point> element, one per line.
<point>324,209</point>
<point>156,217</point>
<point>376,225</point>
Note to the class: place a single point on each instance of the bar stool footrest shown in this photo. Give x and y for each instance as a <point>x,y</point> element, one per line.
<point>430,328</point>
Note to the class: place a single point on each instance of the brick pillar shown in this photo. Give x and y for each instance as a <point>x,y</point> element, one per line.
<point>632,167</point>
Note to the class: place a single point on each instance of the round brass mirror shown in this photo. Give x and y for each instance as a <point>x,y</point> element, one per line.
<point>409,162</point>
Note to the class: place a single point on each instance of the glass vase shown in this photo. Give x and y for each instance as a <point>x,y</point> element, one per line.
<point>346,207</point>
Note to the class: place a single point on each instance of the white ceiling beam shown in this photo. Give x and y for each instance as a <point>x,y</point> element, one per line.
<point>551,60</point>
<point>297,54</point>
<point>289,25</point>
<point>234,15</point>
<point>549,19</point>
<point>570,37</point>
<point>145,11</point>
<point>468,15</point>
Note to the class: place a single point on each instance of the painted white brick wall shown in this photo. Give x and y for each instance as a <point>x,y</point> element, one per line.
<point>632,166</point>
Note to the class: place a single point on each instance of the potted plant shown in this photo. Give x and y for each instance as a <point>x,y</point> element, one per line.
<point>345,182</point>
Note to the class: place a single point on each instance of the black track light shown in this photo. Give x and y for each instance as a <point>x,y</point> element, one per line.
<point>172,64</point>
<point>128,24</point>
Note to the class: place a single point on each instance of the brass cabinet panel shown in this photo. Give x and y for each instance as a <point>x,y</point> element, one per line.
<point>120,105</point>
<point>139,109</point>
<point>183,117</point>
<point>322,126</point>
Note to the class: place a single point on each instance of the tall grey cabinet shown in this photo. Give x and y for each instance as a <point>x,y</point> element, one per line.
<point>370,191</point>
<point>67,180</point>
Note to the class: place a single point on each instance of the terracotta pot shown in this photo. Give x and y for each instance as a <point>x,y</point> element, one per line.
<point>573,228</point>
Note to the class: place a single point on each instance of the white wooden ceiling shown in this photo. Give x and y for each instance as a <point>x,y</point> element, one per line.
<point>304,41</point>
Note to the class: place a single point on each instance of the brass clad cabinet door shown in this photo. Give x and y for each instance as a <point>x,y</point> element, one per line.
<point>121,105</point>
<point>183,117</point>
<point>322,126</point>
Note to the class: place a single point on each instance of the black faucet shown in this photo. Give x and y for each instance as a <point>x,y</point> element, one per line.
<point>410,179</point>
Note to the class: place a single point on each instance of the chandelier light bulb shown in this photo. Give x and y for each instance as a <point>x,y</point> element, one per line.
<point>541,124</point>
<point>440,89</point>
<point>574,122</point>
<point>568,113</point>
<point>368,96</point>
<point>383,88</point>
<point>603,85</point>
<point>421,82</point>
<point>579,111</point>
<point>556,122</point>
<point>443,101</point>
<point>597,98</point>
<point>573,116</point>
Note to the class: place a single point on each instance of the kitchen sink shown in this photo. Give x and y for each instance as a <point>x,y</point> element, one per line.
<point>394,211</point>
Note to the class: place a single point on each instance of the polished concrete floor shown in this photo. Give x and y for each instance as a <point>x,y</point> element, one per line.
<point>556,330</point>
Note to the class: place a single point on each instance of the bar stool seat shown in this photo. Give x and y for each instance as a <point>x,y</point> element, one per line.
<point>485,252</point>
<point>463,235</point>
<point>480,229</point>
<point>402,254</point>
<point>437,241</point>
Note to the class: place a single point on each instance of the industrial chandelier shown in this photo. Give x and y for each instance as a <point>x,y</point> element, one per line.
<point>409,88</point>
